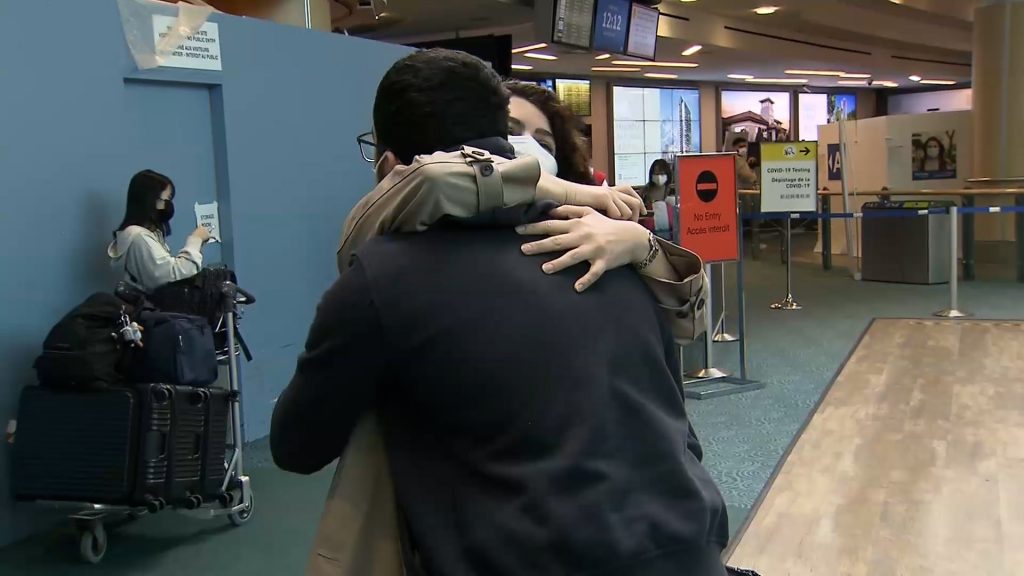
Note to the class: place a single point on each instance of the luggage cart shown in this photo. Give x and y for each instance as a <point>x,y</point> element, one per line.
<point>235,500</point>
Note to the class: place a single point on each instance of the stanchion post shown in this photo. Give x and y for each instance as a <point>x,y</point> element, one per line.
<point>709,371</point>
<point>720,333</point>
<point>741,307</point>
<point>826,232</point>
<point>755,236</point>
<point>1018,218</point>
<point>954,269</point>
<point>968,230</point>
<point>788,303</point>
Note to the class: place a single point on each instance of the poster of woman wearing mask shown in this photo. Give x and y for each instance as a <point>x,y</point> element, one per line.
<point>933,155</point>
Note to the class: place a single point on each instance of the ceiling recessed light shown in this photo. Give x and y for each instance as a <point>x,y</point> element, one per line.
<point>687,0</point>
<point>766,10</point>
<point>914,78</point>
<point>778,80</point>
<point>521,67</point>
<point>939,82</point>
<point>885,83</point>
<point>602,57</point>
<point>852,75</point>
<point>852,82</point>
<point>660,75</point>
<point>814,72</point>
<point>522,49</point>
<point>740,76</point>
<point>655,64</point>
<point>692,50</point>
<point>539,56</point>
<point>613,69</point>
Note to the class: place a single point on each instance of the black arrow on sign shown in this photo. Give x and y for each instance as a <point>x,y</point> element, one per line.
<point>806,150</point>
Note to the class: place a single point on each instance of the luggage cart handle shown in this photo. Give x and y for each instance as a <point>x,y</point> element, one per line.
<point>233,291</point>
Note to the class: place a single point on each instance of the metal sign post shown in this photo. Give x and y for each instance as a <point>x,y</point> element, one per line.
<point>717,383</point>
<point>788,303</point>
<point>789,184</point>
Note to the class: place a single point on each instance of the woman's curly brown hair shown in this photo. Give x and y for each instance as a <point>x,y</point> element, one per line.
<point>573,162</point>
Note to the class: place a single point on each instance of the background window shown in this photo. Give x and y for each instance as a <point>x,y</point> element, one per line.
<point>765,116</point>
<point>819,109</point>
<point>652,123</point>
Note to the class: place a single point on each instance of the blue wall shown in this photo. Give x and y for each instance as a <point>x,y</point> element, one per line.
<point>272,138</point>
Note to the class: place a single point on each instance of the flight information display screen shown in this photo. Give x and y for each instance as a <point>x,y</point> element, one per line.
<point>575,94</point>
<point>611,26</point>
<point>643,32</point>
<point>574,20</point>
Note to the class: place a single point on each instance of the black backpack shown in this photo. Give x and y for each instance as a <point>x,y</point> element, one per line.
<point>84,349</point>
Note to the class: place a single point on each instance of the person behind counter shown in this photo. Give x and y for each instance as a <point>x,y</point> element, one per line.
<point>140,246</point>
<point>659,178</point>
<point>746,178</point>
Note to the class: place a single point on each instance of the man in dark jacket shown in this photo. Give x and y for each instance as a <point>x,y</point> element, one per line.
<point>531,429</point>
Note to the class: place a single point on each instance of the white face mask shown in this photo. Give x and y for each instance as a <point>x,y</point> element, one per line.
<point>742,152</point>
<point>526,145</point>
<point>660,179</point>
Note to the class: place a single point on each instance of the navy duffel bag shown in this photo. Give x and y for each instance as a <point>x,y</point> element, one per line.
<point>177,350</point>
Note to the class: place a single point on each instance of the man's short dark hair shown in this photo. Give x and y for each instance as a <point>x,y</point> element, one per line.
<point>739,140</point>
<point>438,99</point>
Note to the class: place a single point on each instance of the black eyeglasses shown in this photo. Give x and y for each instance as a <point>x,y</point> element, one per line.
<point>367,146</point>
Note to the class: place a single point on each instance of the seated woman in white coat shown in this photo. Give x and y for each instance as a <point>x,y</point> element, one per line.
<point>140,247</point>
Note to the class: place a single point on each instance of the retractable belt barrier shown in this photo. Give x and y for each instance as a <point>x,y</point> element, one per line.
<point>954,211</point>
<point>878,214</point>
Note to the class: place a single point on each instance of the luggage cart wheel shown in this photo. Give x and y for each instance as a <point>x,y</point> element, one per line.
<point>242,517</point>
<point>92,543</point>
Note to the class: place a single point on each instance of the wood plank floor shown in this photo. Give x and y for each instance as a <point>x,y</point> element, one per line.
<point>913,462</point>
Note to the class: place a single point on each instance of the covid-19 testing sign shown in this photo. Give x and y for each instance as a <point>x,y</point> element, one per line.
<point>789,176</point>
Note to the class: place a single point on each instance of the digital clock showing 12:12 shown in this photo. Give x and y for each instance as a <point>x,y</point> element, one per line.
<point>611,25</point>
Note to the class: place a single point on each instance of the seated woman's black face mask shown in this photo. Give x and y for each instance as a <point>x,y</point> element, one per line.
<point>167,212</point>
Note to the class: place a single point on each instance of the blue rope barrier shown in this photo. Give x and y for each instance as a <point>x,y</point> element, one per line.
<point>991,209</point>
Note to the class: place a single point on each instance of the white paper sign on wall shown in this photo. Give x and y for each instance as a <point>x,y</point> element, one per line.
<point>200,51</point>
<point>789,176</point>
<point>208,217</point>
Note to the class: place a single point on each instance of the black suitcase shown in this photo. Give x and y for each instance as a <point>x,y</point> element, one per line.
<point>215,436</point>
<point>76,445</point>
<point>200,419</point>
<point>155,428</point>
<point>151,445</point>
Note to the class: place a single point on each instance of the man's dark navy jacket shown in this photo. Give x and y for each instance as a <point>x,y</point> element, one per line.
<point>531,430</point>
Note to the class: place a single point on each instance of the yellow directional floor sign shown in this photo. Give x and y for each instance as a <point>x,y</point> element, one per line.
<point>789,176</point>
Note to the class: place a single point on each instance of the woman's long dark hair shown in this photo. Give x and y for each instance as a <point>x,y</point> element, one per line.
<point>144,191</point>
<point>665,166</point>
<point>942,151</point>
<point>573,163</point>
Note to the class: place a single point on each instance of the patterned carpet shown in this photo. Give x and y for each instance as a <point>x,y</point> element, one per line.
<point>795,353</point>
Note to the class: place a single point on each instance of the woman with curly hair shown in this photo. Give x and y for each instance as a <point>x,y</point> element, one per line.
<point>537,112</point>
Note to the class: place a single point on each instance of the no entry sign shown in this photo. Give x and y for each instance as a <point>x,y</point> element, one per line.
<point>707,205</point>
